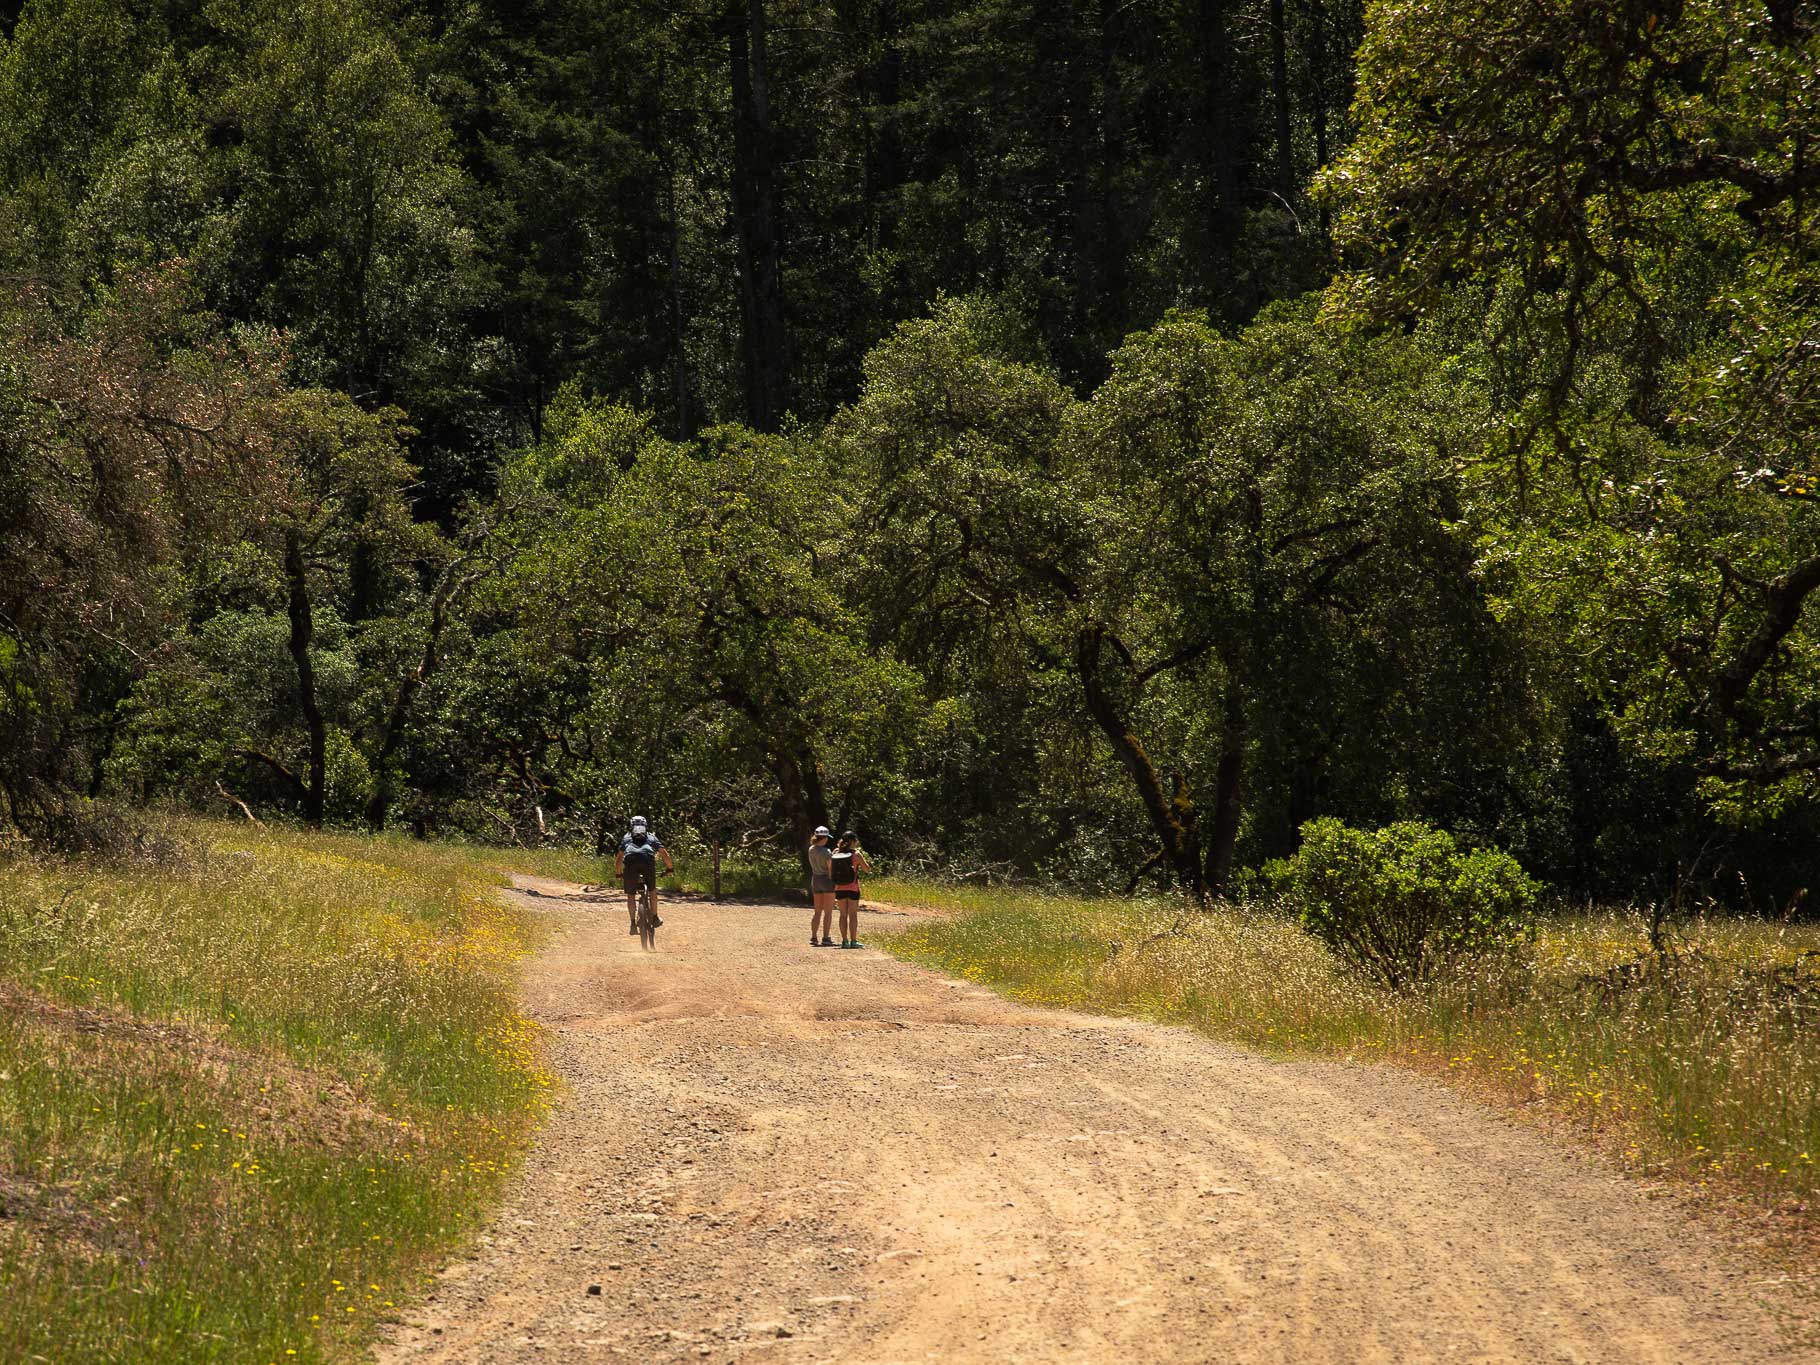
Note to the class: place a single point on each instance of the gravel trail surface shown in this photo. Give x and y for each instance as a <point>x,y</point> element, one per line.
<point>769,1152</point>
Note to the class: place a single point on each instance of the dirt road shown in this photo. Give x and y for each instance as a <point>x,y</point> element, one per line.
<point>775,1153</point>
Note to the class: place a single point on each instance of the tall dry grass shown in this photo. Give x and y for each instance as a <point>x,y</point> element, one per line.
<point>249,1093</point>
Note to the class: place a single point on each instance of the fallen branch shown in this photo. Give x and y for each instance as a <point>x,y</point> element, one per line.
<point>1175,930</point>
<point>985,873</point>
<point>511,827</point>
<point>245,809</point>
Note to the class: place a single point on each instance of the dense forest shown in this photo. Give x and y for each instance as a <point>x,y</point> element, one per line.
<point>1071,440</point>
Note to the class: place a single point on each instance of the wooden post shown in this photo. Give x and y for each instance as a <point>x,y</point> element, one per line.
<point>714,857</point>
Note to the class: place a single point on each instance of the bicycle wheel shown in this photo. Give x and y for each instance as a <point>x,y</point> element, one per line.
<point>647,920</point>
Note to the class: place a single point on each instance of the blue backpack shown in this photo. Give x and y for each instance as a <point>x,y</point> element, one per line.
<point>640,850</point>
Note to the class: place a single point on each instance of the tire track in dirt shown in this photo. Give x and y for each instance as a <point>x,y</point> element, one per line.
<point>771,1152</point>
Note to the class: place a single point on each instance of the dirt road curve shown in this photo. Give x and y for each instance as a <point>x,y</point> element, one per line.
<point>778,1154</point>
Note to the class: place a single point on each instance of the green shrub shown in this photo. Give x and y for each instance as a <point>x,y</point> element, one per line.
<point>1402,901</point>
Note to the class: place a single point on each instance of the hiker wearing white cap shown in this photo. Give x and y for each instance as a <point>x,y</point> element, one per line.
<point>821,889</point>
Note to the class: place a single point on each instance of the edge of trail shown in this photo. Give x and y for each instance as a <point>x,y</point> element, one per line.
<point>770,1151</point>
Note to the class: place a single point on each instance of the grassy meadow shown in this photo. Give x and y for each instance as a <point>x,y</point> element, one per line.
<point>1700,1065</point>
<point>252,1088</point>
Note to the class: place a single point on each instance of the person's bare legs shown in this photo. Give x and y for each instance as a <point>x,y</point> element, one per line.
<point>821,922</point>
<point>849,921</point>
<point>632,911</point>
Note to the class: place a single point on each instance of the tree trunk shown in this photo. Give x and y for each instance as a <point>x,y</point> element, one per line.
<point>1109,302</point>
<point>755,215</point>
<point>1225,117</point>
<point>380,798</point>
<point>884,144</point>
<point>813,795</point>
<point>685,426</point>
<point>1279,78</point>
<point>367,386</point>
<point>1319,62</point>
<point>1783,600</point>
<point>799,790</point>
<point>1172,816</point>
<point>303,631</point>
<point>1228,785</point>
<point>799,783</point>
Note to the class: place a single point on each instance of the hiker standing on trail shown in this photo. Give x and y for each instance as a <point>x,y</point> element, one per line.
<point>847,863</point>
<point>821,888</point>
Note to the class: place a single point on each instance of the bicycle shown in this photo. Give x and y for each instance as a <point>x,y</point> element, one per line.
<point>647,916</point>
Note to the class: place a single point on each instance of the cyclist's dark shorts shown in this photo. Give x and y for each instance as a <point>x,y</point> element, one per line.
<point>640,875</point>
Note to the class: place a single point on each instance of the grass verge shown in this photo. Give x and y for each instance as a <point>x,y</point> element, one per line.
<point>249,1092</point>
<point>1701,1066</point>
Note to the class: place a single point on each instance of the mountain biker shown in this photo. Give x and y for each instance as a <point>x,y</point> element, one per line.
<point>639,849</point>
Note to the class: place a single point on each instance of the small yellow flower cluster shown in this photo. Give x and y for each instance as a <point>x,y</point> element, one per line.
<point>1798,484</point>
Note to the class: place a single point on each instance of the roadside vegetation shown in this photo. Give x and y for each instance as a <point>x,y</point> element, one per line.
<point>1078,445</point>
<point>1694,1062</point>
<point>745,878</point>
<point>1437,449</point>
<point>256,1084</point>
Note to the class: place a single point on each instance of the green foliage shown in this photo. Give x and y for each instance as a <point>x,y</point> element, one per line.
<point>1226,519</point>
<point>346,180</point>
<point>1629,191</point>
<point>1085,552</point>
<point>371,379</point>
<point>226,701</point>
<point>132,440</point>
<point>665,632</point>
<point>1403,902</point>
<point>1280,513</point>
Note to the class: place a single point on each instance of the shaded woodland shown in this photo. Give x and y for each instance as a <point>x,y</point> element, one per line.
<point>1077,441</point>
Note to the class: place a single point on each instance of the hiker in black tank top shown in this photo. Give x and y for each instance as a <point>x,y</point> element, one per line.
<point>846,865</point>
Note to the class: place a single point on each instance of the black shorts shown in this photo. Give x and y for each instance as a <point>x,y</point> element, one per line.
<point>640,876</point>
<point>846,893</point>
